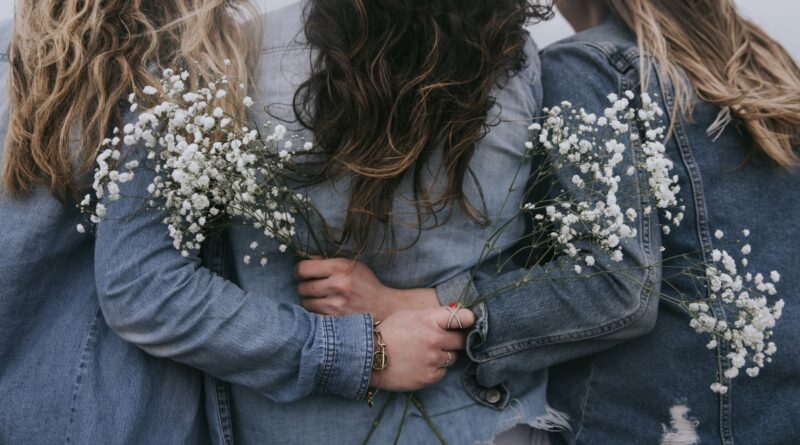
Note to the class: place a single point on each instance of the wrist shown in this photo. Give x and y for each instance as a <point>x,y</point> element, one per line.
<point>418,299</point>
<point>379,363</point>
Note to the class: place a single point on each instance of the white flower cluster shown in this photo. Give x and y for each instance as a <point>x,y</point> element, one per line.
<point>751,318</point>
<point>207,166</point>
<point>587,145</point>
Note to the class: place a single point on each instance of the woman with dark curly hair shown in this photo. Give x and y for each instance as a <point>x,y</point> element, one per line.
<point>419,110</point>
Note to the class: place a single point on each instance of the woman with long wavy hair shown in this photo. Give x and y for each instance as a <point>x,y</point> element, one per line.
<point>65,65</point>
<point>732,97</point>
<point>419,110</point>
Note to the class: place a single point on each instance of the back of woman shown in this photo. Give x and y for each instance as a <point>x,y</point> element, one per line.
<point>65,377</point>
<point>424,245</point>
<point>733,132</point>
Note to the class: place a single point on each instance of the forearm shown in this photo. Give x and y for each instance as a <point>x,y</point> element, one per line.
<point>555,320</point>
<point>171,307</point>
<point>187,314</point>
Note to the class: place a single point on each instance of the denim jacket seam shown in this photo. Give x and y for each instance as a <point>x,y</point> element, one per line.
<point>704,238</point>
<point>615,55</point>
<point>213,257</point>
<point>80,375</point>
<point>585,404</point>
<point>222,411</point>
<point>328,356</point>
<point>640,311</point>
<point>366,374</point>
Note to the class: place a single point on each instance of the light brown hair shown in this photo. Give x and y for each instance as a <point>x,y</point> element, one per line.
<point>73,61</point>
<point>729,62</point>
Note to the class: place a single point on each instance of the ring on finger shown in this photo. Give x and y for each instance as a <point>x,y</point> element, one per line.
<point>449,361</point>
<point>454,316</point>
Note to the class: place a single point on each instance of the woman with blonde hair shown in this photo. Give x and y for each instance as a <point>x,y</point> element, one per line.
<point>732,96</point>
<point>65,66</point>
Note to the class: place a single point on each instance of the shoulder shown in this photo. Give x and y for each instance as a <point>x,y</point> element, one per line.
<point>598,61</point>
<point>610,45</point>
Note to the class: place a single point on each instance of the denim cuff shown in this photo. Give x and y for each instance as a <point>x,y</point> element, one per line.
<point>458,288</point>
<point>477,335</point>
<point>347,361</point>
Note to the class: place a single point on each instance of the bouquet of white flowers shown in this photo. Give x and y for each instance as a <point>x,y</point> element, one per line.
<point>207,167</point>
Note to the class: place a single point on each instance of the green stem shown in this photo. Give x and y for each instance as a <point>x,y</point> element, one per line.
<point>378,418</point>
<point>421,408</point>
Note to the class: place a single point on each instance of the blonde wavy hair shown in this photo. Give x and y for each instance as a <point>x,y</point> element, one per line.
<point>73,61</point>
<point>728,60</point>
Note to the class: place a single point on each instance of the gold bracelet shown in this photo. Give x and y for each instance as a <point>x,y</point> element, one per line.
<point>379,362</point>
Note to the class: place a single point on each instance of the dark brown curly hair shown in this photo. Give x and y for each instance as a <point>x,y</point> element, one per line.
<point>392,81</point>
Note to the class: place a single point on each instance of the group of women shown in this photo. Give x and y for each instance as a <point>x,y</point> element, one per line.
<point>420,108</point>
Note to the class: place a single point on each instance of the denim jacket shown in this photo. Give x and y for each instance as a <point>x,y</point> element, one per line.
<point>294,375</point>
<point>65,376</point>
<point>423,258</point>
<point>655,387</point>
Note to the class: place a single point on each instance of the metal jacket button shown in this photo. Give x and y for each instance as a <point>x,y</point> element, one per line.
<point>492,396</point>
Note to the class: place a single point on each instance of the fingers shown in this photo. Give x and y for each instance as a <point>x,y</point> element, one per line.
<point>448,318</point>
<point>449,359</point>
<point>315,288</point>
<point>325,306</point>
<point>316,268</point>
<point>452,341</point>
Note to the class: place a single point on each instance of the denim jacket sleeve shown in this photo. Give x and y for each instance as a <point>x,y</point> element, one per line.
<point>531,326</point>
<point>172,307</point>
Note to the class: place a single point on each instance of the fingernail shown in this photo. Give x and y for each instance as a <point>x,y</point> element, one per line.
<point>451,305</point>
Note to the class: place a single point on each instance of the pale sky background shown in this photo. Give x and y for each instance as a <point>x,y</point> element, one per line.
<point>778,17</point>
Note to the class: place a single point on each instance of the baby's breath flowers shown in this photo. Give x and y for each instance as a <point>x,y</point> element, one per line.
<point>589,158</point>
<point>750,318</point>
<point>589,146</point>
<point>207,167</point>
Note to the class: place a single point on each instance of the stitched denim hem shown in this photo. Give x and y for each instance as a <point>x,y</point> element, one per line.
<point>479,332</point>
<point>347,356</point>
<point>80,374</point>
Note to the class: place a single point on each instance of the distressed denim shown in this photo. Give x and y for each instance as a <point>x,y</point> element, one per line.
<point>626,393</point>
<point>65,376</point>
<point>440,252</point>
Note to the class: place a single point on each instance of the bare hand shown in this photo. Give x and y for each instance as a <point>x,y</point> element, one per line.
<point>417,346</point>
<point>343,287</point>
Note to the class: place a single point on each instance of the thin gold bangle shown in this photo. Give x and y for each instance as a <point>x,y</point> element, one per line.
<point>379,362</point>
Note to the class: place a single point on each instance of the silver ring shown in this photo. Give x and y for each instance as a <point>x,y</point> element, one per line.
<point>449,360</point>
<point>454,315</point>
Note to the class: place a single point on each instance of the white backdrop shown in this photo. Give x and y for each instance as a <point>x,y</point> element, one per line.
<point>780,21</point>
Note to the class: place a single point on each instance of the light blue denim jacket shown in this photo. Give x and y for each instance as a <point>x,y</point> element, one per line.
<point>295,375</point>
<point>625,394</point>
<point>425,258</point>
<point>65,376</point>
